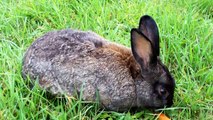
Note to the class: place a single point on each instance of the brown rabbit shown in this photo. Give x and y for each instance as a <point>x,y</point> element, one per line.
<point>70,61</point>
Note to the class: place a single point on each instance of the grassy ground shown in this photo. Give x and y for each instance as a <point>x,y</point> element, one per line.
<point>186,30</point>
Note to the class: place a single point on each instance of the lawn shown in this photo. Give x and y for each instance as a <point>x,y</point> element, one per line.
<point>186,31</point>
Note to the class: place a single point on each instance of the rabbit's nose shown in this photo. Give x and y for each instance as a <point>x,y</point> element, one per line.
<point>169,104</point>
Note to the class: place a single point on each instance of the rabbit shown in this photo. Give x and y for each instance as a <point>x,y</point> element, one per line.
<point>74,62</point>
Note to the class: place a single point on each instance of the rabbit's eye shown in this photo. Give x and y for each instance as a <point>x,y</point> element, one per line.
<point>162,91</point>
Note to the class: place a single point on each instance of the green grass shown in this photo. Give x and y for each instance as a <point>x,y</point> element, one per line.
<point>186,30</point>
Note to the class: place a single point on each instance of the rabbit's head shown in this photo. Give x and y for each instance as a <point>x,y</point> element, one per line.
<point>155,86</point>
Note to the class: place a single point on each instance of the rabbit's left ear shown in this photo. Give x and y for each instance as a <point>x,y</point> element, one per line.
<point>149,28</point>
<point>142,49</point>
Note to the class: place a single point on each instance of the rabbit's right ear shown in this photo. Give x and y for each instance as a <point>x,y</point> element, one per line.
<point>142,49</point>
<point>149,28</point>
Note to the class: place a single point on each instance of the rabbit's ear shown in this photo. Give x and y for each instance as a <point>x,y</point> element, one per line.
<point>142,49</point>
<point>149,28</point>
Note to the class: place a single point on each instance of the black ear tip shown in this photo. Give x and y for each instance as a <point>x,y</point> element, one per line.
<point>134,30</point>
<point>146,18</point>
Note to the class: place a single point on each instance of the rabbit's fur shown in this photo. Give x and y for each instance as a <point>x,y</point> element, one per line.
<point>72,61</point>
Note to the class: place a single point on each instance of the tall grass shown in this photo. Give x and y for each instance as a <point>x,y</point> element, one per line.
<point>186,30</point>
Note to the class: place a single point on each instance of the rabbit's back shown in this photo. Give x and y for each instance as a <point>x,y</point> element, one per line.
<point>69,61</point>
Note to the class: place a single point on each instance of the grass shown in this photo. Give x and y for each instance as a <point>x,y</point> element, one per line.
<point>186,30</point>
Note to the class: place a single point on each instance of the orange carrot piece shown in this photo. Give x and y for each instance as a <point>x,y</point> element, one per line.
<point>163,117</point>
